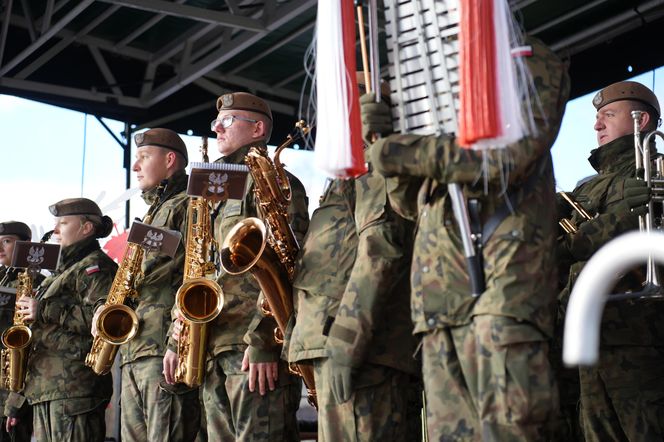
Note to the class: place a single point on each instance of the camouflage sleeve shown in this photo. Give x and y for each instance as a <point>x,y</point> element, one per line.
<point>15,405</point>
<point>72,314</point>
<point>384,260</point>
<point>442,159</point>
<point>593,234</point>
<point>260,334</point>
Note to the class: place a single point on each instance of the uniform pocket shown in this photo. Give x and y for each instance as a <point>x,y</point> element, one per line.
<point>518,380</point>
<point>74,407</point>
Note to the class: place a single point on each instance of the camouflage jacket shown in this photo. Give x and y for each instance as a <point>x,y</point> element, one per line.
<point>623,322</point>
<point>372,323</point>
<point>161,274</point>
<point>519,259</point>
<point>324,266</point>
<point>61,331</point>
<point>240,323</point>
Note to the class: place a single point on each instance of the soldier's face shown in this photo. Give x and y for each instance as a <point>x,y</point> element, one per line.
<point>614,121</point>
<point>7,248</point>
<point>239,133</point>
<point>151,166</point>
<point>70,229</point>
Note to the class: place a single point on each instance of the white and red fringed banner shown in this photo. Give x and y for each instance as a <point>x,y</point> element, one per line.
<point>490,113</point>
<point>339,150</point>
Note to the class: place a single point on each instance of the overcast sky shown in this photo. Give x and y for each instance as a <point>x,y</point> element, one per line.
<point>50,153</point>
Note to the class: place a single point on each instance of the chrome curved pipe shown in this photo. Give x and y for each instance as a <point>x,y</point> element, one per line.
<point>590,293</point>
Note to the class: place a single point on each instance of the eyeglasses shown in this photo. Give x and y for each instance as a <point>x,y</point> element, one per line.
<point>227,121</point>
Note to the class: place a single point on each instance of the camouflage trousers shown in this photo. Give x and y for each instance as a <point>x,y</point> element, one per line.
<point>622,398</point>
<point>233,412</point>
<point>489,380</point>
<point>380,408</point>
<point>152,410</point>
<point>70,420</point>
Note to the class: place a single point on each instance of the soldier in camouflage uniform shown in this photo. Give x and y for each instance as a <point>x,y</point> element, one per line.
<point>153,410</point>
<point>485,366</point>
<point>242,354</point>
<point>622,398</point>
<point>68,399</point>
<point>21,418</point>
<point>353,314</point>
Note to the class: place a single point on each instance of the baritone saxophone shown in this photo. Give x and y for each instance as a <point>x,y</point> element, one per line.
<point>268,248</point>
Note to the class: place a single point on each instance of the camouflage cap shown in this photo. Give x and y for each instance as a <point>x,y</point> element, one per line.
<point>16,228</point>
<point>626,90</point>
<point>165,138</point>
<point>75,206</point>
<point>243,101</point>
<point>384,85</point>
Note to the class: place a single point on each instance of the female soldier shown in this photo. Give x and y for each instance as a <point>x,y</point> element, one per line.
<point>69,400</point>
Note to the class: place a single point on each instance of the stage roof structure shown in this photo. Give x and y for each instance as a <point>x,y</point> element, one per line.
<point>163,62</point>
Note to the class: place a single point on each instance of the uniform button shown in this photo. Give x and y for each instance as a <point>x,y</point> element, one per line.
<point>424,213</point>
<point>448,222</point>
<point>431,321</point>
<point>515,233</point>
<point>425,269</point>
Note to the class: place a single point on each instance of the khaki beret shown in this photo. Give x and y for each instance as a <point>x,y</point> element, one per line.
<point>16,228</point>
<point>165,138</point>
<point>243,101</point>
<point>626,90</point>
<point>75,206</point>
<point>384,86</point>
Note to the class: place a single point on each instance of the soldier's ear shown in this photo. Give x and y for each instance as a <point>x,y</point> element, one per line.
<point>645,120</point>
<point>260,130</point>
<point>171,159</point>
<point>87,227</point>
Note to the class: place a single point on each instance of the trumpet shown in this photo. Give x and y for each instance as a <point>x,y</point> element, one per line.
<point>566,223</point>
<point>655,182</point>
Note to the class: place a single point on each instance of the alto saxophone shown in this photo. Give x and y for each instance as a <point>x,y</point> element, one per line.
<point>117,323</point>
<point>269,248</point>
<point>17,340</point>
<point>199,300</point>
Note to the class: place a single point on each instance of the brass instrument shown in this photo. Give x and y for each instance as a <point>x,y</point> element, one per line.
<point>117,323</point>
<point>566,223</point>
<point>18,338</point>
<point>655,181</point>
<point>199,300</point>
<point>268,248</point>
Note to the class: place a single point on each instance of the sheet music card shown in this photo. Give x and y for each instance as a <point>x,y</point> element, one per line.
<point>154,239</point>
<point>217,181</point>
<point>35,255</point>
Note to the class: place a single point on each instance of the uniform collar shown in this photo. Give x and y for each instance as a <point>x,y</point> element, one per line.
<point>613,155</point>
<point>175,184</point>
<point>77,251</point>
<point>238,156</point>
